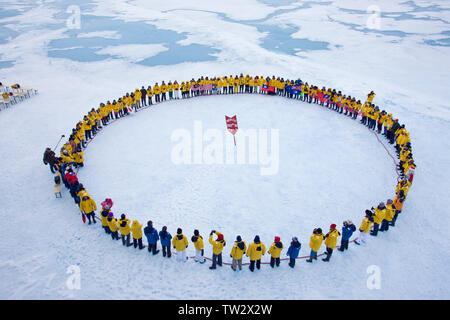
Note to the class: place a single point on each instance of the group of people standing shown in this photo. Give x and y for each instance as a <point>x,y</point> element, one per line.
<point>375,220</point>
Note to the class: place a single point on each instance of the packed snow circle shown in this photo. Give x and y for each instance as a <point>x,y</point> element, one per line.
<point>377,219</point>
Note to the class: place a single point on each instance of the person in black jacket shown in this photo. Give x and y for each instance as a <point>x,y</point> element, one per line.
<point>391,133</point>
<point>50,159</point>
<point>143,96</point>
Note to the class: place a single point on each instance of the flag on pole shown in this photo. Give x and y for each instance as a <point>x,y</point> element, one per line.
<point>232,126</point>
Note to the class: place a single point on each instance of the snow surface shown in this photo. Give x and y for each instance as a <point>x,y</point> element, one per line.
<point>331,168</point>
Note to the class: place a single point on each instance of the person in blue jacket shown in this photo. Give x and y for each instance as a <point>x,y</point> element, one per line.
<point>347,232</point>
<point>152,237</point>
<point>293,251</point>
<point>165,238</point>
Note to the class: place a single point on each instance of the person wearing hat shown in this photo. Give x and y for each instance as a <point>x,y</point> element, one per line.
<point>197,239</point>
<point>255,251</point>
<point>380,212</point>
<point>136,230</point>
<point>347,231</point>
<point>112,224</point>
<point>104,216</point>
<point>364,228</point>
<point>331,241</point>
<point>180,243</point>
<point>237,252</point>
<point>88,207</point>
<point>108,202</point>
<point>275,252</point>
<point>152,237</point>
<point>165,238</point>
<point>218,245</point>
<point>124,227</point>
<point>293,251</point>
<point>315,243</point>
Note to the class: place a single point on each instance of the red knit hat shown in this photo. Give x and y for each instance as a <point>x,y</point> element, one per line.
<point>277,239</point>
<point>333,226</point>
<point>220,236</point>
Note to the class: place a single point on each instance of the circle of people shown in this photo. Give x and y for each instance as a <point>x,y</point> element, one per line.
<point>374,220</point>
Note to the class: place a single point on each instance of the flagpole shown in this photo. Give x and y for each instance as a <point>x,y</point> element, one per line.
<point>234,137</point>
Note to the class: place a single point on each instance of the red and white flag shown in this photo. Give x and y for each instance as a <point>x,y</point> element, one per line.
<point>232,126</point>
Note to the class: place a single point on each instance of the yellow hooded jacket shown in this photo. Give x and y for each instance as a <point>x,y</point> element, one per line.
<point>136,229</point>
<point>365,225</point>
<point>275,249</point>
<point>88,206</point>
<point>217,244</point>
<point>198,242</point>
<point>124,226</point>
<point>315,242</point>
<point>238,250</point>
<point>379,215</point>
<point>180,242</point>
<point>112,223</point>
<point>256,250</point>
<point>331,239</point>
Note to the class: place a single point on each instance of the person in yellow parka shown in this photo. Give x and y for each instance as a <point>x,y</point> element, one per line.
<point>218,245</point>
<point>136,230</point>
<point>180,243</point>
<point>197,239</point>
<point>164,89</point>
<point>124,227</point>
<point>380,212</point>
<point>315,243</point>
<point>104,217</point>
<point>390,212</point>
<point>255,251</point>
<point>79,158</point>
<point>237,252</point>
<point>364,228</point>
<point>275,252</point>
<point>113,227</point>
<point>156,91</point>
<point>330,241</point>
<point>88,207</point>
